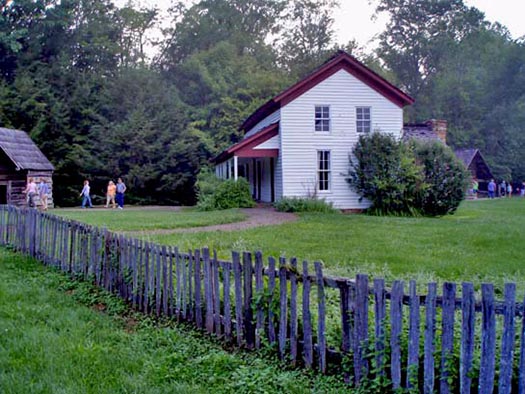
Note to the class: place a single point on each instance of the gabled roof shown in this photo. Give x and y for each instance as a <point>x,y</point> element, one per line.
<point>341,60</point>
<point>256,139</point>
<point>466,155</point>
<point>474,161</point>
<point>22,151</point>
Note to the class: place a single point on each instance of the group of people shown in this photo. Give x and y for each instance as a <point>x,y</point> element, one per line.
<point>114,194</point>
<point>504,189</point>
<point>41,190</point>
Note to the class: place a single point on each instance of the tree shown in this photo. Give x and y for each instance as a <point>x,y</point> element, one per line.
<point>419,33</point>
<point>308,36</point>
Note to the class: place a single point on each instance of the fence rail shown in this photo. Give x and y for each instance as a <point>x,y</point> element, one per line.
<point>449,342</point>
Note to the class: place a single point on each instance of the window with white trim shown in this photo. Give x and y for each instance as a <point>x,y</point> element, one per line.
<point>323,170</point>
<point>363,120</point>
<point>322,118</point>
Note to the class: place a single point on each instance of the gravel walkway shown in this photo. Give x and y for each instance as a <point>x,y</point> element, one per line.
<point>257,217</point>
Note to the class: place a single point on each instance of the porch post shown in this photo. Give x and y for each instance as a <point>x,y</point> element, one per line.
<point>235,169</point>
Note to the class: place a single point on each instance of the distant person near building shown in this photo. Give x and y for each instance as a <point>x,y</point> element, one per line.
<point>110,194</point>
<point>30,191</point>
<point>121,189</point>
<point>491,188</point>
<point>43,192</point>
<point>475,188</point>
<point>86,199</point>
<point>502,188</point>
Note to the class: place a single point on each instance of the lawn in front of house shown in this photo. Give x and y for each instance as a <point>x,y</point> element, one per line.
<point>482,241</point>
<point>144,219</point>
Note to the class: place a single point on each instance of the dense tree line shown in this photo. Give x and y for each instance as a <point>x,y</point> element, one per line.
<point>75,74</point>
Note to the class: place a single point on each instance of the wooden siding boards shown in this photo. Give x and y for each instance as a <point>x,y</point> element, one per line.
<point>342,92</point>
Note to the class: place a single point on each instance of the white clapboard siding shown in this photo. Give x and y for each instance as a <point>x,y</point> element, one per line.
<point>342,92</point>
<point>272,143</point>
<point>272,118</point>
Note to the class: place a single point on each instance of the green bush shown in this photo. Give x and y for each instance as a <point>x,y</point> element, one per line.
<point>296,204</point>
<point>417,178</point>
<point>384,171</point>
<point>446,177</point>
<point>214,193</point>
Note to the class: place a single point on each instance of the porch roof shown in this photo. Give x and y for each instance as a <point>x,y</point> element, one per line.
<point>246,148</point>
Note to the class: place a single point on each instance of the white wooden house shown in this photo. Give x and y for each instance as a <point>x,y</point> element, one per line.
<point>298,143</point>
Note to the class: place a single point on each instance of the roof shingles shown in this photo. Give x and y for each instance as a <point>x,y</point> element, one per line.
<point>22,151</point>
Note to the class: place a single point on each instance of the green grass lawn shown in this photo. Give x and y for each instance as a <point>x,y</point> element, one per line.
<point>137,219</point>
<point>482,241</point>
<point>52,342</point>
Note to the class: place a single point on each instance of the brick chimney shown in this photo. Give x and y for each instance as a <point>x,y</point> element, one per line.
<point>439,127</point>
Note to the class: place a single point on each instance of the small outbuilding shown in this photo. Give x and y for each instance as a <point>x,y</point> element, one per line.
<point>20,159</point>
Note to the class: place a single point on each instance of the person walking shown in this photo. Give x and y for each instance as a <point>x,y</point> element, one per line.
<point>522,192</point>
<point>43,192</point>
<point>110,194</point>
<point>30,191</point>
<point>509,190</point>
<point>121,189</point>
<point>86,199</point>
<point>491,188</point>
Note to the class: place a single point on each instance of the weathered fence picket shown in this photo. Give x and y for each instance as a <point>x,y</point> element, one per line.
<point>196,287</point>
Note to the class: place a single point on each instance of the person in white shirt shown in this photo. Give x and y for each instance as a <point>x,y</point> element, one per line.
<point>86,199</point>
<point>31,193</point>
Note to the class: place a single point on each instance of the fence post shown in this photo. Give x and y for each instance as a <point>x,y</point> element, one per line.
<point>430,332</point>
<point>283,307</point>
<point>396,322</point>
<point>488,340</point>
<point>293,310</point>
<point>321,322</point>
<point>380,318</point>
<point>307,319</point>
<point>198,290</point>
<point>507,340</point>
<point>259,291</point>
<point>467,337</point>
<point>361,327</point>
<point>208,289</point>
<point>447,337</point>
<point>237,279</point>
<point>413,338</point>
<point>249,328</point>
<point>271,288</point>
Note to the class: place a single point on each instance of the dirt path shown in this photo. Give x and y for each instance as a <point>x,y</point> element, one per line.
<point>257,217</point>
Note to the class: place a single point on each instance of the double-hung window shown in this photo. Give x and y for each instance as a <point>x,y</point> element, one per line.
<point>323,170</point>
<point>363,121</point>
<point>322,118</point>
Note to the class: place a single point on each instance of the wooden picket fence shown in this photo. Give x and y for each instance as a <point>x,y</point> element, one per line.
<point>449,342</point>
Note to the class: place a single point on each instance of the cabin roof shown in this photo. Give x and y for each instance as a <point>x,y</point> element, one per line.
<point>22,151</point>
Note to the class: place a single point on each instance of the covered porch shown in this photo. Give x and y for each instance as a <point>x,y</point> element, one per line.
<point>255,158</point>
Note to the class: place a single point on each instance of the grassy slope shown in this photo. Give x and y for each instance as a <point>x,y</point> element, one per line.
<point>150,219</point>
<point>480,242</point>
<point>50,343</point>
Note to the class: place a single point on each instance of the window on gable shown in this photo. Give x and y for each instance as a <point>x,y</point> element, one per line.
<point>322,118</point>
<point>363,122</point>
<point>323,170</point>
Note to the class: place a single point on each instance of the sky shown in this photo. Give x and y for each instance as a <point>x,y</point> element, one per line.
<point>354,19</point>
